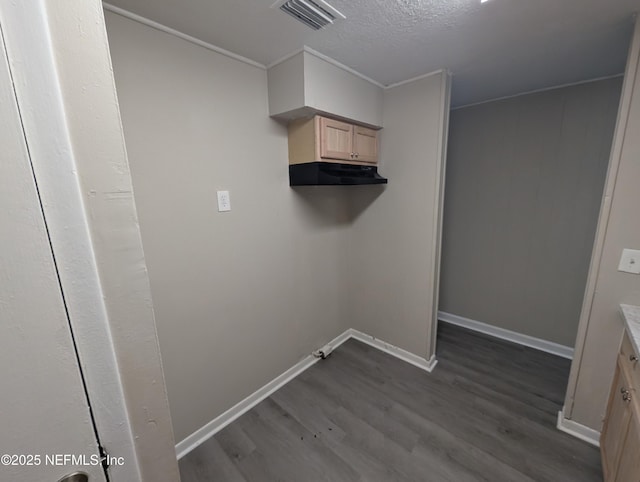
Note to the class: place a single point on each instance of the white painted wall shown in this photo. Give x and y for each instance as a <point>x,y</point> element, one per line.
<point>394,244</point>
<point>600,329</point>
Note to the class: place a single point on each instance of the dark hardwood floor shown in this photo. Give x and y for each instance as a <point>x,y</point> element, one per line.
<point>487,412</point>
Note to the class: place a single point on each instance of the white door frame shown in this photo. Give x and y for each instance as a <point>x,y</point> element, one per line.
<point>45,406</point>
<point>60,63</point>
<point>630,75</point>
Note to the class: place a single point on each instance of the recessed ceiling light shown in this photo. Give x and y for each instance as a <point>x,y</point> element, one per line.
<point>484,1</point>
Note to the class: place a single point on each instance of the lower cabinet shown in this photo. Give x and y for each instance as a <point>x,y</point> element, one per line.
<point>629,462</point>
<point>620,439</point>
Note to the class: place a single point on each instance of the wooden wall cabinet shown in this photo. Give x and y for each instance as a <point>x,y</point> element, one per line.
<point>620,439</point>
<point>330,140</point>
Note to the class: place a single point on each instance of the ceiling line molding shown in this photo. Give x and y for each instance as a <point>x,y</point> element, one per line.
<point>536,91</point>
<point>171,31</point>
<point>414,79</point>
<point>163,28</point>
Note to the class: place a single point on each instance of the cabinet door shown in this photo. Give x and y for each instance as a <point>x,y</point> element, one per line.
<point>336,139</point>
<point>365,144</point>
<point>615,425</point>
<point>630,361</point>
<point>629,464</point>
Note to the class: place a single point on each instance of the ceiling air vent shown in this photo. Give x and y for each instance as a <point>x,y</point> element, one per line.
<point>316,14</point>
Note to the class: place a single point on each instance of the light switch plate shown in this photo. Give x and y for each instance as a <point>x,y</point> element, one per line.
<point>224,201</point>
<point>630,261</point>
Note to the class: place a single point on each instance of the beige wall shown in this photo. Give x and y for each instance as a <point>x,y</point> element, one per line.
<point>242,296</point>
<point>239,296</point>
<point>393,245</point>
<point>619,227</point>
<point>524,183</point>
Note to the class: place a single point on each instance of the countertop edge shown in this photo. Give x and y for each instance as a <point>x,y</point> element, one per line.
<point>631,317</point>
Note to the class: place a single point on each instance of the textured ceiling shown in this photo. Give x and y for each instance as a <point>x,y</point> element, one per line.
<point>494,49</point>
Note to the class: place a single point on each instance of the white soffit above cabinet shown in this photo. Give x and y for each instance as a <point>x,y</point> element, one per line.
<point>494,49</point>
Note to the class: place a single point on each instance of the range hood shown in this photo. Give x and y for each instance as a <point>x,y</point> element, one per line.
<point>333,174</point>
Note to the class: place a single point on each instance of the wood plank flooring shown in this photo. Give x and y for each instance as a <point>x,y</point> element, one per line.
<point>486,413</point>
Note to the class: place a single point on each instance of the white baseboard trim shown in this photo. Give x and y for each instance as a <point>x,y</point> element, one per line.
<point>578,430</point>
<point>418,361</point>
<point>512,336</point>
<point>221,421</point>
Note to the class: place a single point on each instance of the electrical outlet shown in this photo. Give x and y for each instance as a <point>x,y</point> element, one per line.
<point>630,261</point>
<point>224,201</point>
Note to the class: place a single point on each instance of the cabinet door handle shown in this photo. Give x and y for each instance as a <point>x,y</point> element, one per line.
<point>633,358</point>
<point>356,154</point>
<point>352,154</point>
<point>626,396</point>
